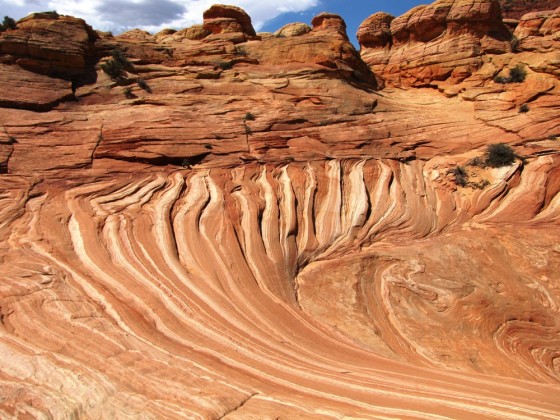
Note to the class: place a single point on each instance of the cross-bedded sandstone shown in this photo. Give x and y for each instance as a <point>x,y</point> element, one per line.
<point>254,226</point>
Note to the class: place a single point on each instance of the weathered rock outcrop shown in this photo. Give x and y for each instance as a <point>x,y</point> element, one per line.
<point>239,227</point>
<point>329,23</point>
<point>515,9</point>
<point>188,76</point>
<point>49,44</point>
<point>24,89</point>
<point>293,29</point>
<point>442,41</point>
<point>460,48</point>
<point>228,22</point>
<point>250,282</point>
<point>375,31</point>
<point>539,32</point>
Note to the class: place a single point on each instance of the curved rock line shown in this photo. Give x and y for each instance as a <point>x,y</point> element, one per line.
<point>188,295</point>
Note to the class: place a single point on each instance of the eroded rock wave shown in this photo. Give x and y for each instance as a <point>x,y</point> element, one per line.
<point>303,290</point>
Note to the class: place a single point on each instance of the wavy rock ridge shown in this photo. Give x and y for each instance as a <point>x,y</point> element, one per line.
<point>262,233</point>
<point>196,293</point>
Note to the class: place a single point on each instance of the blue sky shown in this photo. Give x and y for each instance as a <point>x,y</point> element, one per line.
<point>153,15</point>
<point>354,12</point>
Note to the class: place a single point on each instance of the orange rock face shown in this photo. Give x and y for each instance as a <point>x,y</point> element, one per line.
<point>538,32</point>
<point>441,41</point>
<point>517,8</point>
<point>375,31</point>
<point>330,23</point>
<point>245,227</point>
<point>293,29</point>
<point>49,44</point>
<point>222,19</point>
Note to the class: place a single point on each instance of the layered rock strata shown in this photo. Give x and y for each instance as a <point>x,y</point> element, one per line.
<point>413,51</point>
<point>441,41</point>
<point>243,228</point>
<point>515,9</point>
<point>539,32</point>
<point>50,44</point>
<point>294,289</point>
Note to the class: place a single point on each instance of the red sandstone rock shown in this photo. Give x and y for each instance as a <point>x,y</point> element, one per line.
<point>471,11</point>
<point>429,43</point>
<point>222,19</point>
<point>293,29</point>
<point>538,32</point>
<point>47,43</point>
<point>355,269</point>
<point>23,89</point>
<point>194,32</point>
<point>375,31</point>
<point>515,9</point>
<point>331,23</point>
<point>255,230</point>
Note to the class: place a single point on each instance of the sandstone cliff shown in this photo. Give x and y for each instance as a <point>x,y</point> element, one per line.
<point>449,40</point>
<point>515,9</point>
<point>242,225</point>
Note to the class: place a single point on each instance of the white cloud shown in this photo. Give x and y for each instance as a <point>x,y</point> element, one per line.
<point>154,15</point>
<point>263,11</point>
<point>20,8</point>
<point>19,3</point>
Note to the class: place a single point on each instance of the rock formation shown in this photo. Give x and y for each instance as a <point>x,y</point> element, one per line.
<point>515,9</point>
<point>441,41</point>
<point>293,29</point>
<point>243,226</point>
<point>450,41</point>
<point>49,44</point>
<point>230,20</point>
<point>538,32</point>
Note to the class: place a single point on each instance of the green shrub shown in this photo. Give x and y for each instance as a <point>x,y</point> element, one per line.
<point>128,93</point>
<point>478,162</point>
<point>499,154</point>
<point>249,117</point>
<point>461,175</point>
<point>143,85</point>
<point>240,51</point>
<point>501,79</point>
<point>7,23</point>
<point>524,108</point>
<point>115,67</point>
<point>480,185</point>
<point>224,65</point>
<point>514,43</point>
<point>121,59</point>
<point>517,74</point>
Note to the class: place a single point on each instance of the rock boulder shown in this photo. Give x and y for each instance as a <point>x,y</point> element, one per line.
<point>221,19</point>
<point>50,44</point>
<point>293,29</point>
<point>539,31</point>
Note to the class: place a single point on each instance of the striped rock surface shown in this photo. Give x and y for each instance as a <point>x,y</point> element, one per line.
<point>360,288</point>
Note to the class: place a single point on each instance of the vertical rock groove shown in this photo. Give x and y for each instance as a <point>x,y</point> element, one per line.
<point>218,286</point>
